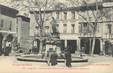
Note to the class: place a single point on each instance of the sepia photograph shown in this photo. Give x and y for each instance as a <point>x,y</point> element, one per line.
<point>56,36</point>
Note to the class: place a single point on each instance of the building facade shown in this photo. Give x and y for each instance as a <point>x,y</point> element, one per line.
<point>7,25</point>
<point>95,23</point>
<point>66,24</point>
<point>23,31</point>
<point>14,28</point>
<point>78,26</point>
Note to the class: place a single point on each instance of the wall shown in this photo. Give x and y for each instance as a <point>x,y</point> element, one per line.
<point>23,33</point>
<point>7,22</point>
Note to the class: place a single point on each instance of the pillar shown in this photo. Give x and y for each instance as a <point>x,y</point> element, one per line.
<point>101,46</point>
<point>41,46</point>
<point>65,43</point>
<point>90,41</point>
<point>13,44</point>
<point>78,44</point>
<point>93,46</point>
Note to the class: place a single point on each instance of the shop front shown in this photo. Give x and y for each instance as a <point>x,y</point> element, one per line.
<point>87,42</point>
<point>69,41</point>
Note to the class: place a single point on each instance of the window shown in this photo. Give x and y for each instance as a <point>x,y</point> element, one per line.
<point>85,25</point>
<point>73,28</point>
<point>73,15</point>
<point>64,25</point>
<point>17,29</point>
<point>47,27</point>
<point>65,28</point>
<point>109,28</point>
<point>97,28</point>
<point>57,15</point>
<point>2,23</point>
<point>65,15</point>
<point>17,20</point>
<point>10,26</point>
<point>57,26</point>
<point>84,29</point>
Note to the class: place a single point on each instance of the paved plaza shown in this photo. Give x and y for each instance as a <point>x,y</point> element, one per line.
<point>96,64</point>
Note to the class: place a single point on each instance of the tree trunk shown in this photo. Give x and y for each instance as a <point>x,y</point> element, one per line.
<point>41,47</point>
<point>93,47</point>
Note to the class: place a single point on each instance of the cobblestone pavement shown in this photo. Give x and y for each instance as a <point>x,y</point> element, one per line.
<point>96,64</point>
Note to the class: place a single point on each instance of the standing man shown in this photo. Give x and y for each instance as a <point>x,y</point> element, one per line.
<point>34,48</point>
<point>49,53</point>
<point>68,58</point>
<point>53,58</point>
<point>112,49</point>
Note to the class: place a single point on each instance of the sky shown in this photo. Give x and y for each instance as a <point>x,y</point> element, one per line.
<point>57,0</point>
<point>23,10</point>
<point>1,1</point>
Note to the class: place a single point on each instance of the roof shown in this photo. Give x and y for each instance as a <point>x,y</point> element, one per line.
<point>8,11</point>
<point>27,19</point>
<point>91,6</point>
<point>108,0</point>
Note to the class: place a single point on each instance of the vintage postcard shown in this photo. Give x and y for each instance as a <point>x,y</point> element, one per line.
<point>56,36</point>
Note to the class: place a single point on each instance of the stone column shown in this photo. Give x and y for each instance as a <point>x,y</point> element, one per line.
<point>65,43</point>
<point>41,46</point>
<point>101,46</point>
<point>78,44</point>
<point>12,45</point>
<point>90,45</point>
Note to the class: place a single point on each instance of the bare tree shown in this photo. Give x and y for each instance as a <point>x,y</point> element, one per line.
<point>38,8</point>
<point>97,14</point>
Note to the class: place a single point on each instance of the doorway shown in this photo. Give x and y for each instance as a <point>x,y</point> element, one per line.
<point>97,46</point>
<point>72,45</point>
<point>87,44</point>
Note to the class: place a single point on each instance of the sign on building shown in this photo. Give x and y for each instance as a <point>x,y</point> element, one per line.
<point>107,4</point>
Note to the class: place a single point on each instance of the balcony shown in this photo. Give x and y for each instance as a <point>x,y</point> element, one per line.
<point>107,0</point>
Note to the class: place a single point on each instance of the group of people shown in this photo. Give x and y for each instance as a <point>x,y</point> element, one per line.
<point>6,50</point>
<point>52,58</point>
